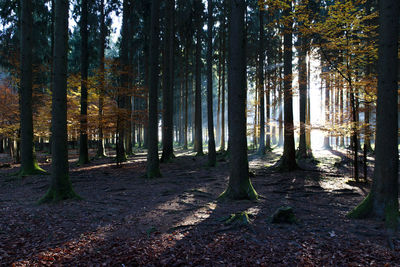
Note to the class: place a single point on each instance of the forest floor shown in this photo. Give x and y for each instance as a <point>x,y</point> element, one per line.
<point>127,220</point>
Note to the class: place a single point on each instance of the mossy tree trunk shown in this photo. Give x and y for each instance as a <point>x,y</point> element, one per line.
<point>210,114</point>
<point>83,139</point>
<point>153,164</point>
<point>29,163</point>
<point>168,83</point>
<point>239,186</point>
<point>60,186</point>
<point>382,201</point>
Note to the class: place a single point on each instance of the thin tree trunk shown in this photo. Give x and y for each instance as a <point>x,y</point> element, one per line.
<point>210,114</point>
<point>198,113</point>
<point>102,43</point>
<point>260,79</point>
<point>83,139</point>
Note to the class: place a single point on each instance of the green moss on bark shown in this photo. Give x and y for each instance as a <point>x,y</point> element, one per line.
<point>363,210</point>
<point>32,170</point>
<point>246,191</point>
<point>60,191</point>
<point>392,215</point>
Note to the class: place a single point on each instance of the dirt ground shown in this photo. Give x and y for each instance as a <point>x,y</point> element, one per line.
<point>127,220</point>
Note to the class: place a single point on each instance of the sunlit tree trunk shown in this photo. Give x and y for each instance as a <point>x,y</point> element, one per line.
<point>60,185</point>
<point>239,186</point>
<point>382,201</point>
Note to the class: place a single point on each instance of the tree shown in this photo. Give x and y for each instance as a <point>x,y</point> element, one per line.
<point>83,140</point>
<point>288,159</point>
<point>260,83</point>
<point>211,139</point>
<point>102,44</point>
<point>60,186</point>
<point>168,83</point>
<point>29,163</point>
<point>153,165</point>
<point>382,201</point>
<point>198,142</point>
<point>239,186</point>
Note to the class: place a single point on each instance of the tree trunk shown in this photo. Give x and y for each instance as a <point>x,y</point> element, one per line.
<point>198,113</point>
<point>382,201</point>
<point>29,163</point>
<point>100,143</point>
<point>83,139</point>
<point>222,147</point>
<point>185,138</point>
<point>210,114</point>
<point>60,186</point>
<point>168,84</point>
<point>302,152</point>
<point>239,186</point>
<point>153,166</point>
<point>288,160</point>
<point>261,56</point>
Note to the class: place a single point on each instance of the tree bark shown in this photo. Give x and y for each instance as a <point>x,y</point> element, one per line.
<point>210,114</point>
<point>288,159</point>
<point>168,83</point>
<point>29,163</point>
<point>302,152</point>
<point>198,113</point>
<point>60,185</point>
<point>239,186</point>
<point>83,138</point>
<point>261,56</point>
<point>153,166</point>
<point>382,201</point>
<point>102,43</point>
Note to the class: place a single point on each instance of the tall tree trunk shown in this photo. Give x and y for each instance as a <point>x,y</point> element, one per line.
<point>239,186</point>
<point>29,163</point>
<point>222,147</point>
<point>261,56</point>
<point>102,43</point>
<point>302,152</point>
<point>60,185</point>
<point>382,201</point>
<point>327,144</point>
<point>153,166</point>
<point>122,94</point>
<point>168,84</point>
<point>185,138</point>
<point>83,138</point>
<point>288,159</point>
<point>210,114</point>
<point>198,113</point>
